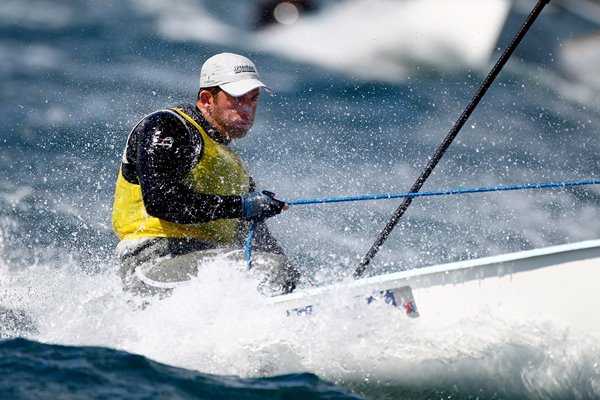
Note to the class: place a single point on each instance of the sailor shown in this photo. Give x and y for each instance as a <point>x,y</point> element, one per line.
<point>182,190</point>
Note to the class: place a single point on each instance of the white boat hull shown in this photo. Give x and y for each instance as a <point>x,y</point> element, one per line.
<point>558,284</point>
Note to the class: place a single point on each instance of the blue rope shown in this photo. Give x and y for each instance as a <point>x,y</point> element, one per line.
<point>420,194</point>
<point>445,192</point>
<point>249,245</point>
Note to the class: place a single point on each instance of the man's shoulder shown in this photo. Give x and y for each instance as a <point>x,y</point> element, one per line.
<point>169,113</point>
<point>186,108</point>
<point>165,118</point>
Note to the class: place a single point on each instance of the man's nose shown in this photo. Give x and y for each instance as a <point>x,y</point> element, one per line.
<point>245,108</point>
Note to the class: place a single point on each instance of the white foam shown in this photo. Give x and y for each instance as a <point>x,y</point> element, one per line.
<point>36,12</point>
<point>220,324</point>
<point>578,58</point>
<point>368,38</point>
<point>187,20</point>
<point>380,38</point>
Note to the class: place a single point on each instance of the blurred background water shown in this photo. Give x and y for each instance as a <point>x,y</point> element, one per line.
<point>365,93</point>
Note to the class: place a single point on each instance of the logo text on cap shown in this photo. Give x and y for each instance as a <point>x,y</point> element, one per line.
<point>238,69</point>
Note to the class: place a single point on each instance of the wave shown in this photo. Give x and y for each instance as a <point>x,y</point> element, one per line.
<point>219,324</point>
<point>390,40</point>
<point>34,370</point>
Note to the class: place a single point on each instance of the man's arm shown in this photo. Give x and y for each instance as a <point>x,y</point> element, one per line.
<point>165,155</point>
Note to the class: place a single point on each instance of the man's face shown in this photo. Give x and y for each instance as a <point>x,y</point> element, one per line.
<point>233,116</point>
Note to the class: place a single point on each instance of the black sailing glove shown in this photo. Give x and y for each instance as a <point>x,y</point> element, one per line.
<point>258,206</point>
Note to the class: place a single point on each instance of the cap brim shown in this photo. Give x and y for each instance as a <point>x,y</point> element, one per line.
<point>240,88</point>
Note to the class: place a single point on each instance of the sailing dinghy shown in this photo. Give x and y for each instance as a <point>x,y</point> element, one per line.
<point>558,283</point>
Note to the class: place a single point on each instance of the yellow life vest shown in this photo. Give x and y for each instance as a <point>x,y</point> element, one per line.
<point>220,171</point>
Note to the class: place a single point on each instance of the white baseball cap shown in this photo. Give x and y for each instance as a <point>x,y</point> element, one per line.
<point>233,73</point>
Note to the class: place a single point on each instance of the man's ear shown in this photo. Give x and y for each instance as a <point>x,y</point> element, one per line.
<point>204,101</point>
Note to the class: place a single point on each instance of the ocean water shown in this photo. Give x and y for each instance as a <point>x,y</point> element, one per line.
<point>364,96</point>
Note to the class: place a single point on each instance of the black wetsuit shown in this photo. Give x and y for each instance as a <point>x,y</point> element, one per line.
<point>160,152</point>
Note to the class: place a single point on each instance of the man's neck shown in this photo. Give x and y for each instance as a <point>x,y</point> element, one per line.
<point>209,128</point>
